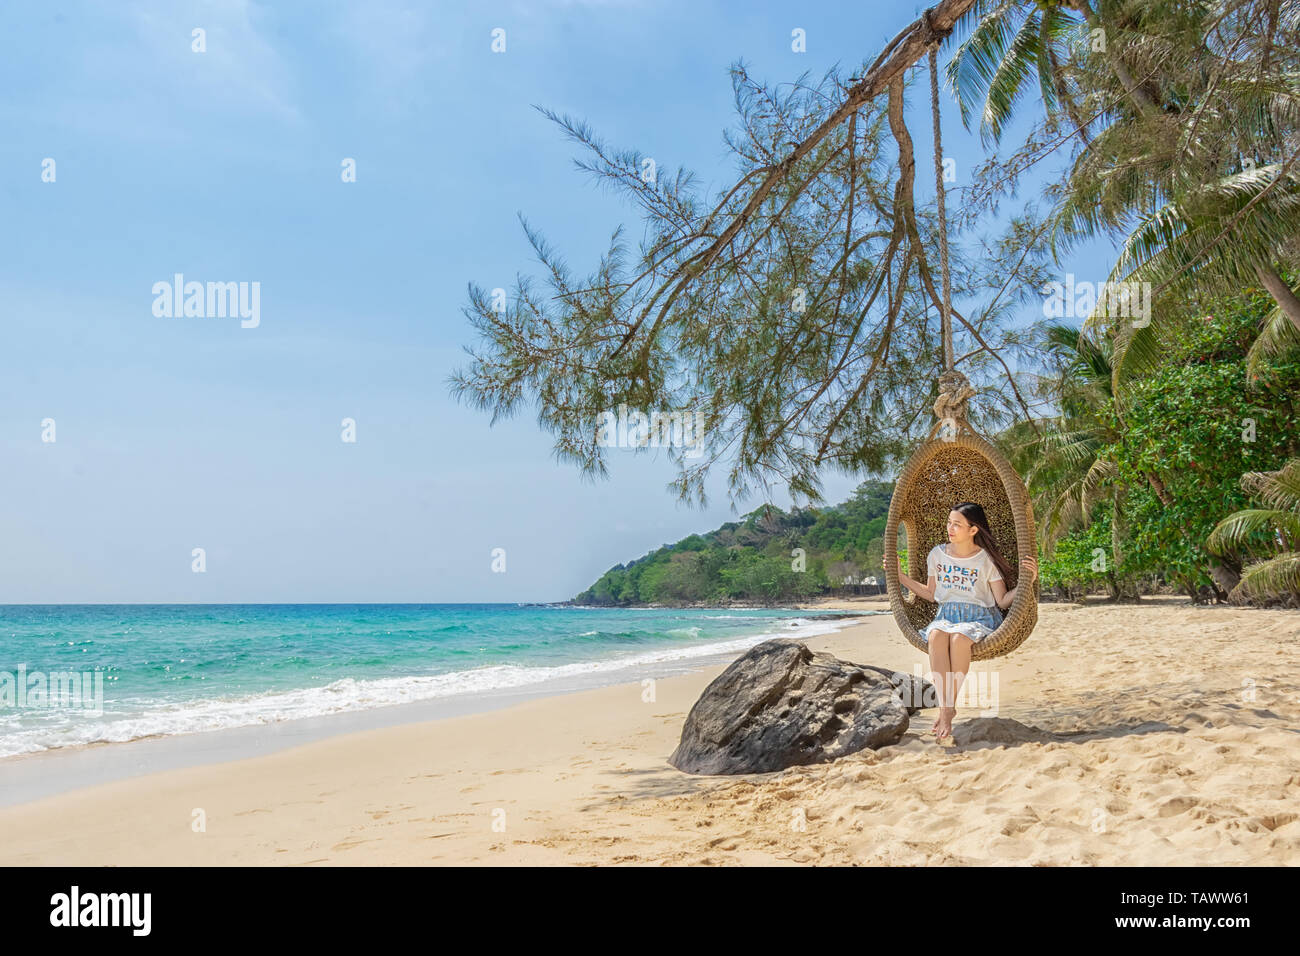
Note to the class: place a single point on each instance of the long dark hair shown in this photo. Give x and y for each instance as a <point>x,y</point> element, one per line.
<point>983,536</point>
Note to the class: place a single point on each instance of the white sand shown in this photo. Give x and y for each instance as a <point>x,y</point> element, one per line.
<point>1177,743</point>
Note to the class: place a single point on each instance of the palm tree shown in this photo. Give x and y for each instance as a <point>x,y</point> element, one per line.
<point>1197,168</point>
<point>1279,575</point>
<point>1063,470</point>
<point>1012,43</point>
<point>1203,184</point>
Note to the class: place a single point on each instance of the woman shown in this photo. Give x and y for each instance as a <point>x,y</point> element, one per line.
<point>967,579</point>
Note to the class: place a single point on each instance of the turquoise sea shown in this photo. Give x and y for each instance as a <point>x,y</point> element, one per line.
<point>173,669</point>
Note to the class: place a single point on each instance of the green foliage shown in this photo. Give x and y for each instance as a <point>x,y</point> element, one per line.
<point>1198,424</point>
<point>1191,426</point>
<point>752,560</point>
<point>1081,561</point>
<point>1272,534</point>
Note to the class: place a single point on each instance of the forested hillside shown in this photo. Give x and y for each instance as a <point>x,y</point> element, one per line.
<point>759,558</point>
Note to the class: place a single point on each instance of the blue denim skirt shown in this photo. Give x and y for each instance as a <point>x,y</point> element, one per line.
<point>964,617</point>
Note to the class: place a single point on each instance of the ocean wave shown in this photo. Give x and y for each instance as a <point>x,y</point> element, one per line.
<point>60,729</point>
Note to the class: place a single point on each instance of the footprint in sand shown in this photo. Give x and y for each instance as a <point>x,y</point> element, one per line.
<point>1277,820</point>
<point>1176,805</point>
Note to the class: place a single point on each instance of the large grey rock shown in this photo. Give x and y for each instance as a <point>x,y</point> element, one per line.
<point>782,705</point>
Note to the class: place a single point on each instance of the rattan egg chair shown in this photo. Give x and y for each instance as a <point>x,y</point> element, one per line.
<point>955,464</point>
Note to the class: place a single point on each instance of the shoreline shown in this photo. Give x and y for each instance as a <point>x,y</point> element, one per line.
<point>37,774</point>
<point>1121,738</point>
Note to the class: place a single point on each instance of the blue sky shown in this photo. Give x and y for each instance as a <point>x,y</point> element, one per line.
<point>178,433</point>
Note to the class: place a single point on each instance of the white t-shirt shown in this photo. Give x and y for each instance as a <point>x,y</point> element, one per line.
<point>962,579</point>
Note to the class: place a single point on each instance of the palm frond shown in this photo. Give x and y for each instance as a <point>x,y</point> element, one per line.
<point>976,60</point>
<point>1277,338</point>
<point>1271,578</point>
<point>1233,532</point>
<point>1277,489</point>
<point>1010,78</point>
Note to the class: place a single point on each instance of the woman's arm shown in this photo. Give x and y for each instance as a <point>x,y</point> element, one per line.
<point>1004,598</point>
<point>925,591</point>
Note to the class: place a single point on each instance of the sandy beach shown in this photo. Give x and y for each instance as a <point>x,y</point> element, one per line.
<point>1158,734</point>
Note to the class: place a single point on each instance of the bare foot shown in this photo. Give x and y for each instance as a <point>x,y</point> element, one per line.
<point>943,726</point>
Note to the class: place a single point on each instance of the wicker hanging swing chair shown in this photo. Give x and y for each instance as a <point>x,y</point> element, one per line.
<point>953,464</point>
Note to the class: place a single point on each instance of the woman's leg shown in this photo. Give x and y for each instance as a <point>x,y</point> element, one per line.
<point>939,668</point>
<point>959,654</point>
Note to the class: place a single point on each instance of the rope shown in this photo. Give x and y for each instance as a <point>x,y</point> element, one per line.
<point>946,311</point>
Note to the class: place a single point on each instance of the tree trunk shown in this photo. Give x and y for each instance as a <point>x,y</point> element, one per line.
<point>1219,573</point>
<point>1064,95</point>
<point>1117,529</point>
<point>1158,487</point>
<point>1282,294</point>
<point>1141,98</point>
